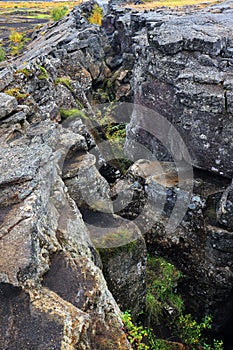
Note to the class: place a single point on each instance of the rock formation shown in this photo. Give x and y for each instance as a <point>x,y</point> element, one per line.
<point>70,255</point>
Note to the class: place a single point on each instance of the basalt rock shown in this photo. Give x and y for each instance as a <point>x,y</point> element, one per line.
<point>45,247</point>
<point>40,224</point>
<point>182,114</point>
<point>123,253</point>
<point>183,71</point>
<point>199,243</point>
<point>48,261</point>
<point>60,239</point>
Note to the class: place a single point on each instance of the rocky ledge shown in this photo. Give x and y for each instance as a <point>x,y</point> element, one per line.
<point>70,255</point>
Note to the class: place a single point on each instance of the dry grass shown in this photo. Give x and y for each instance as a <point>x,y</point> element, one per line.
<point>37,4</point>
<point>172,3</point>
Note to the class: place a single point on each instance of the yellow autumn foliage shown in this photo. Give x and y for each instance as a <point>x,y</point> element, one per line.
<point>96,16</point>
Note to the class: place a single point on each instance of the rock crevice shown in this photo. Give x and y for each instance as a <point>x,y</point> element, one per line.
<point>64,230</point>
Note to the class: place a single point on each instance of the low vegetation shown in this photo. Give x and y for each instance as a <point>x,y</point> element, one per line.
<point>17,42</point>
<point>165,306</point>
<point>59,12</point>
<point>29,15</point>
<point>116,134</point>
<point>64,81</point>
<point>24,71</point>
<point>43,73</point>
<point>68,113</point>
<point>39,5</point>
<point>96,16</point>
<point>152,4</point>
<point>17,93</point>
<point>2,54</point>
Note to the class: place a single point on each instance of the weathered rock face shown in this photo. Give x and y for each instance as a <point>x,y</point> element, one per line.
<point>42,231</point>
<point>183,71</point>
<point>56,208</point>
<point>123,253</point>
<point>200,244</point>
<point>182,74</point>
<point>48,262</point>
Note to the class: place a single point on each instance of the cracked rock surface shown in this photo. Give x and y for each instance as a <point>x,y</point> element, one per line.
<point>69,256</point>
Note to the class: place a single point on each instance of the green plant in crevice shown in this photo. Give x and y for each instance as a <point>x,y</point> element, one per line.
<point>217,345</point>
<point>24,71</point>
<point>2,54</point>
<point>142,338</point>
<point>15,92</point>
<point>189,330</point>
<point>192,332</point>
<point>116,135</point>
<point>79,104</point>
<point>44,74</point>
<point>135,334</point>
<point>64,81</point>
<point>163,303</point>
<point>67,113</point>
<point>162,279</point>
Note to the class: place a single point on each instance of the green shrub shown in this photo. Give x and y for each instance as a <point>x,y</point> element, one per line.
<point>142,338</point>
<point>2,54</point>
<point>192,333</point>
<point>16,37</point>
<point>116,134</point>
<point>17,42</point>
<point>59,12</point>
<point>135,334</point>
<point>96,16</point>
<point>162,279</point>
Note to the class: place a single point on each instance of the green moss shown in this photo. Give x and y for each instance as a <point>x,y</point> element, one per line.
<point>80,105</point>
<point>121,240</point>
<point>24,71</point>
<point>67,113</point>
<point>44,74</point>
<point>15,92</point>
<point>42,77</point>
<point>2,54</point>
<point>65,81</point>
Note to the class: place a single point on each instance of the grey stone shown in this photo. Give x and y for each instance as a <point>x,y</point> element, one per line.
<point>179,73</point>
<point>123,253</point>
<point>42,222</point>
<point>7,105</point>
<point>6,77</point>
